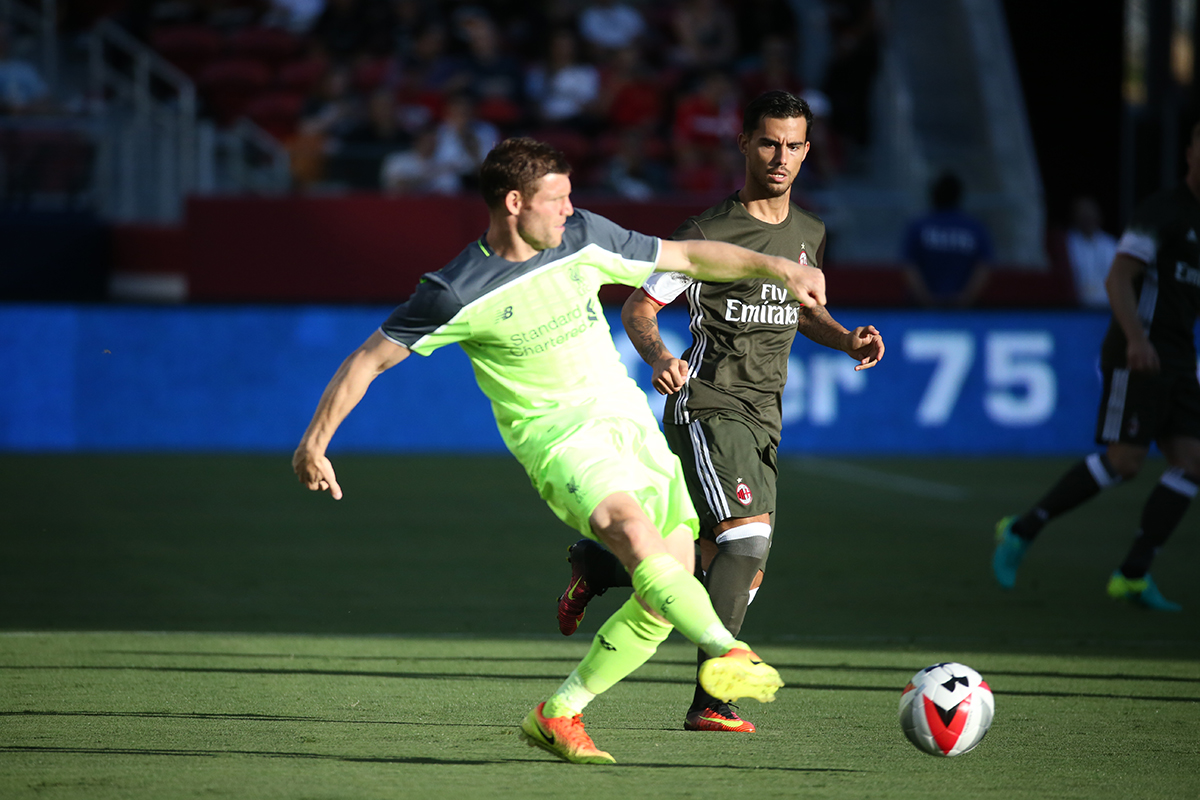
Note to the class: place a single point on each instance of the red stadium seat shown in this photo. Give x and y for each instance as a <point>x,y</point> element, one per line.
<point>277,112</point>
<point>302,76</point>
<point>370,73</point>
<point>189,47</point>
<point>272,46</point>
<point>227,86</point>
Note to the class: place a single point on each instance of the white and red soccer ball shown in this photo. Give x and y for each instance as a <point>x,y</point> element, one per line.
<point>946,709</point>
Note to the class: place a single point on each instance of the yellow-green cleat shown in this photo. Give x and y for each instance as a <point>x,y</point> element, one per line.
<point>562,736</point>
<point>1139,592</point>
<point>1010,551</point>
<point>739,673</point>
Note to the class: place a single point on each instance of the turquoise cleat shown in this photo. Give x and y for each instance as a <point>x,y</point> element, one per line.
<point>1010,550</point>
<point>1139,592</point>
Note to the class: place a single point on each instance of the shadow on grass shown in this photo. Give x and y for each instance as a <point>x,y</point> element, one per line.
<point>1090,676</point>
<point>510,677</point>
<point>154,751</point>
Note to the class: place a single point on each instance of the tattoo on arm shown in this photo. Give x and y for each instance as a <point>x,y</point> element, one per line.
<point>818,326</point>
<point>646,339</point>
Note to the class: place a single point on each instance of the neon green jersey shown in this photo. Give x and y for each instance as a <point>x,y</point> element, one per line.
<point>534,330</point>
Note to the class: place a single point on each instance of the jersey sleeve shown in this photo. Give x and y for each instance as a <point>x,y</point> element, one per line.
<point>427,320</point>
<point>663,287</point>
<point>636,252</point>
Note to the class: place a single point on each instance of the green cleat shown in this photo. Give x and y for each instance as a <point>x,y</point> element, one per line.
<point>739,673</point>
<point>1139,592</point>
<point>1010,550</point>
<point>562,736</point>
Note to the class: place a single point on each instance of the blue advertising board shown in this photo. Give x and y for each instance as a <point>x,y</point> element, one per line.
<point>247,378</point>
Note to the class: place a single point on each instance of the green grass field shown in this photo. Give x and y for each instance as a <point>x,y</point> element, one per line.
<point>200,626</point>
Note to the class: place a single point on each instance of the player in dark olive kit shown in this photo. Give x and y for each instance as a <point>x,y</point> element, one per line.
<point>723,410</point>
<point>1151,394</point>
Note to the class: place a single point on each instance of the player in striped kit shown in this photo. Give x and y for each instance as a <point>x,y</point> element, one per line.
<point>1151,393</point>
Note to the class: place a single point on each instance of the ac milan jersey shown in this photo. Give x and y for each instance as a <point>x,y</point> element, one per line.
<point>742,332</point>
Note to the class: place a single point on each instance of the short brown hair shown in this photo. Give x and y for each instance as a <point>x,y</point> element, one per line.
<point>518,163</point>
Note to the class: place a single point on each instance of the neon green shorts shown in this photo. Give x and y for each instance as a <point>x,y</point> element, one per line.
<point>575,469</point>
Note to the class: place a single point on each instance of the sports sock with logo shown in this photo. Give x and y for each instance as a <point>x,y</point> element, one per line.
<point>1080,483</point>
<point>1164,509</point>
<point>624,642</point>
<point>670,590</point>
<point>741,552</point>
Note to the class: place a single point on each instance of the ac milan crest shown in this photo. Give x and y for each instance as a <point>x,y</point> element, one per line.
<point>744,495</point>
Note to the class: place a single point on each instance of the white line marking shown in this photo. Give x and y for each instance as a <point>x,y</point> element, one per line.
<point>901,484</point>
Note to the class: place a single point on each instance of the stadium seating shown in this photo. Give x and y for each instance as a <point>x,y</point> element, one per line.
<point>191,48</point>
<point>229,85</point>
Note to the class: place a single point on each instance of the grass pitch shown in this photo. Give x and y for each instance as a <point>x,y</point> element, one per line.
<point>387,645</point>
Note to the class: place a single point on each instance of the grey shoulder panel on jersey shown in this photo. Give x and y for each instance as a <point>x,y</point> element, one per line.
<point>476,272</point>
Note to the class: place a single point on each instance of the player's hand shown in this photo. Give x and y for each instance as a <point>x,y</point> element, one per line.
<point>670,375</point>
<point>806,285</point>
<point>315,471</point>
<point>865,345</point>
<point>1140,356</point>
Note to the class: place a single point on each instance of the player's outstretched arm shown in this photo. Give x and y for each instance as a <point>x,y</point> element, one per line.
<point>640,318</point>
<point>721,262</point>
<point>864,344</point>
<point>1140,355</point>
<point>345,390</point>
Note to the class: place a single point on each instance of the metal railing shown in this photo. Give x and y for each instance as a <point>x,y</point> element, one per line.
<point>149,149</point>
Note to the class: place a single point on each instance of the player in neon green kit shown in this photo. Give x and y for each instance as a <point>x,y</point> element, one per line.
<point>522,302</point>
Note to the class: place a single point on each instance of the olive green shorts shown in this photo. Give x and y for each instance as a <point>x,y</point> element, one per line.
<point>731,467</point>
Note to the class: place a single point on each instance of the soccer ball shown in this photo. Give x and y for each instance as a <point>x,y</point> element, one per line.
<point>946,709</point>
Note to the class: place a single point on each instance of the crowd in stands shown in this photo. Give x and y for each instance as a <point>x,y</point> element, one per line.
<point>644,97</point>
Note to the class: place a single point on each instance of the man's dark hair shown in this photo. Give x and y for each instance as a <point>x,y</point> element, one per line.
<point>776,105</point>
<point>518,163</point>
<point>946,192</point>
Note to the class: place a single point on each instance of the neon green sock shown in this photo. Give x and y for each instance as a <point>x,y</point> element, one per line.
<point>671,591</point>
<point>624,642</point>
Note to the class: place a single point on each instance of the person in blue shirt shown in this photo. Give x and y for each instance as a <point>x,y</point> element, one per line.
<point>946,252</point>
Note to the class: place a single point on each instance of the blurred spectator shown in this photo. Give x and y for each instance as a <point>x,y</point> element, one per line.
<point>495,77</point>
<point>629,95</point>
<point>359,152</point>
<point>610,25</point>
<point>631,172</point>
<point>705,35</point>
<point>850,74</point>
<point>22,90</point>
<point>410,20</point>
<point>824,155</point>
<point>415,171</point>
<point>757,19</point>
<point>327,115</point>
<point>297,16</point>
<point>428,69</point>
<point>946,252</point>
<point>709,117</point>
<point>772,68</point>
<point>563,89</point>
<point>1090,252</point>
<point>463,140</point>
<point>349,29</point>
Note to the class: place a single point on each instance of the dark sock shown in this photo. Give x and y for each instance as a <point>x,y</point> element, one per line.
<point>1080,483</point>
<point>601,569</point>
<point>1160,516</point>
<point>728,582</point>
